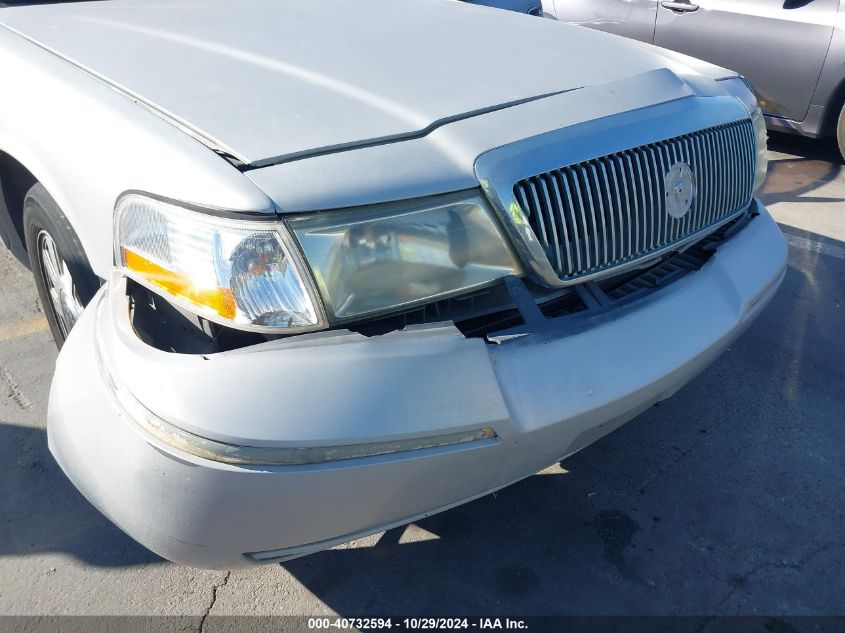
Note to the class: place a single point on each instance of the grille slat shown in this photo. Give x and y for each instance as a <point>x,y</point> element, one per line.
<point>547,204</point>
<point>606,211</point>
<point>741,173</point>
<point>595,185</point>
<point>538,212</point>
<point>666,159</point>
<point>609,212</point>
<point>731,176</point>
<point>724,199</point>
<point>713,194</point>
<point>742,140</point>
<point>640,197</point>
<point>706,201</point>
<point>698,168</point>
<point>633,200</point>
<point>563,223</point>
<point>618,216</point>
<point>594,227</point>
<point>571,219</point>
<point>679,226</point>
<point>728,143</point>
<point>682,225</point>
<point>654,196</point>
<point>583,215</point>
<point>749,169</point>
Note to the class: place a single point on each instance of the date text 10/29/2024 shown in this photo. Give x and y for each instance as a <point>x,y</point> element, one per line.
<point>425,624</point>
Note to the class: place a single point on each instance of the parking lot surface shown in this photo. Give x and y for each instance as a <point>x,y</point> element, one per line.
<point>726,499</point>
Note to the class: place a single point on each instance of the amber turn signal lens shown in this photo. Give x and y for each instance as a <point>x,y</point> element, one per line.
<point>221,300</point>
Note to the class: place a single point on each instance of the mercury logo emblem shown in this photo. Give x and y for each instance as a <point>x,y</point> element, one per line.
<point>680,188</point>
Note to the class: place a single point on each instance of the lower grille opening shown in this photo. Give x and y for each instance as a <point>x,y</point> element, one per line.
<point>672,267</point>
<point>491,307</point>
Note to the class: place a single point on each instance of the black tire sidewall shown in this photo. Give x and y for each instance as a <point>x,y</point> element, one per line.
<point>40,212</point>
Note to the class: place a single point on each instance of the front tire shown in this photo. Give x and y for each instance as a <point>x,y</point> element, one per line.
<point>840,132</point>
<point>62,273</point>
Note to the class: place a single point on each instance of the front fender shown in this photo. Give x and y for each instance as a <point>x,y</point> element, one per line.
<point>87,143</point>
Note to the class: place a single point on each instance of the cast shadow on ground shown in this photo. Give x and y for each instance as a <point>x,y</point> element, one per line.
<point>672,513</point>
<point>41,511</point>
<point>812,164</point>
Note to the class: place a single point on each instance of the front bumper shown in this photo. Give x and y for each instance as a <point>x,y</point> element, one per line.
<point>545,396</point>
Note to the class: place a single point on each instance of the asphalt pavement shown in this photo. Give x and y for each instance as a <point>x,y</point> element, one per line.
<point>726,499</point>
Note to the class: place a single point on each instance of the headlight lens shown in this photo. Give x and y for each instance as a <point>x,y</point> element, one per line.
<point>237,273</point>
<point>741,89</point>
<point>379,259</point>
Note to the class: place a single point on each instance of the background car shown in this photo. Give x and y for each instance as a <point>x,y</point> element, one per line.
<point>791,51</point>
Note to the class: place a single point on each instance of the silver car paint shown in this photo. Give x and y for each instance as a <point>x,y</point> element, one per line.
<point>629,18</point>
<point>264,93</point>
<point>830,90</point>
<point>779,47</point>
<point>793,53</point>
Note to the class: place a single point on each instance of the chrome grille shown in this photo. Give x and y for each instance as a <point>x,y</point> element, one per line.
<point>600,213</point>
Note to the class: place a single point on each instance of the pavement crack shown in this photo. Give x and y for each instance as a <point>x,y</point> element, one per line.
<point>661,471</point>
<point>738,581</point>
<point>214,589</point>
<point>794,564</point>
<point>15,391</point>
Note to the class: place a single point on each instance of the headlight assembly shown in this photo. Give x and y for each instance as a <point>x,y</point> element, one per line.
<point>232,272</point>
<point>366,261</point>
<point>740,88</point>
<point>373,260</point>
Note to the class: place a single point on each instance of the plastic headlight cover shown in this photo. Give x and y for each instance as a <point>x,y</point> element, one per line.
<point>233,272</point>
<point>379,259</point>
<point>741,89</point>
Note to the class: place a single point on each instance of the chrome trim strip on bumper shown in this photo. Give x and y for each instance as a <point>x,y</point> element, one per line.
<point>173,436</point>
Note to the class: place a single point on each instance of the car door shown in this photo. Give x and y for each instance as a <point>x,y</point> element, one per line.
<point>779,45</point>
<point>631,18</point>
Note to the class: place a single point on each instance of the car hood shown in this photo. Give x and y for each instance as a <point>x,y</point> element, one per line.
<point>269,81</point>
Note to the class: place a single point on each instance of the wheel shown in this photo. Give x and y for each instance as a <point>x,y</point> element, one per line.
<point>62,273</point>
<point>840,132</point>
